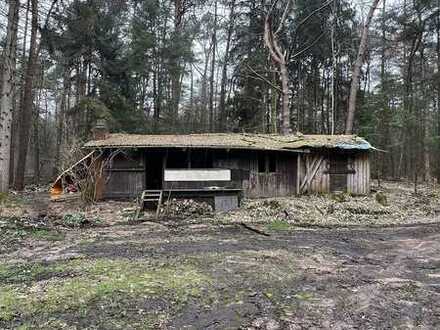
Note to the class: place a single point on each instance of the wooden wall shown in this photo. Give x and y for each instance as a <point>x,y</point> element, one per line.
<point>358,172</point>
<point>358,183</point>
<point>125,176</point>
<point>321,182</point>
<point>244,165</point>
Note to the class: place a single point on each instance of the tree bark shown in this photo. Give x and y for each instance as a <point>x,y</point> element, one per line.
<point>211,79</point>
<point>19,96</point>
<point>224,78</point>
<point>333,81</point>
<point>25,116</point>
<point>357,69</point>
<point>204,91</point>
<point>438,88</point>
<point>7,90</point>
<point>278,56</point>
<point>180,7</point>
<point>36,140</point>
<point>60,118</point>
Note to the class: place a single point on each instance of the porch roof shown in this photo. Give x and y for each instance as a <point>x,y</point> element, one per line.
<point>232,141</point>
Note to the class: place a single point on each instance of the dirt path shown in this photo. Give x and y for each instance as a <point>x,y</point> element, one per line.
<point>322,278</point>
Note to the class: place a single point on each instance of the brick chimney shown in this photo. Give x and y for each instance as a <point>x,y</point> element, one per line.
<point>100,131</point>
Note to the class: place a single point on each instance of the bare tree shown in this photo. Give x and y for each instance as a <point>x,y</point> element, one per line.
<point>357,69</point>
<point>279,57</point>
<point>6,96</point>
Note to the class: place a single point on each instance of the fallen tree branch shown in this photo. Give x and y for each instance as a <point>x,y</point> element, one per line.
<point>255,230</point>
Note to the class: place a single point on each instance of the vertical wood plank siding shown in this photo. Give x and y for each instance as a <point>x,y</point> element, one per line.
<point>255,184</point>
<point>321,181</point>
<point>358,182</point>
<point>124,183</point>
<point>126,177</point>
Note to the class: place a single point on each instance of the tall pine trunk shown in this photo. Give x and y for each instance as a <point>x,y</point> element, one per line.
<point>25,116</point>
<point>224,78</point>
<point>438,89</point>
<point>7,91</point>
<point>19,96</point>
<point>211,79</point>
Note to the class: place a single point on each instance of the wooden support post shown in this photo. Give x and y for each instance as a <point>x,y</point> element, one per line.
<point>298,173</point>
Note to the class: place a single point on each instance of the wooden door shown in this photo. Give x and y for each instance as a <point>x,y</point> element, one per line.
<point>338,172</point>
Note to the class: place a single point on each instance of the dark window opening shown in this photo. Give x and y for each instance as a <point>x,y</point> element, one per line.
<point>201,159</point>
<point>267,162</point>
<point>177,159</point>
<point>272,162</point>
<point>261,162</point>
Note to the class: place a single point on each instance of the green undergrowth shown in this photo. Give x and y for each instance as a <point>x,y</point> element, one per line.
<point>79,287</point>
<point>278,225</point>
<point>13,230</point>
<point>8,200</point>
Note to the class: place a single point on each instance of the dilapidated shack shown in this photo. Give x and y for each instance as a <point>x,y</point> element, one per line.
<point>257,165</point>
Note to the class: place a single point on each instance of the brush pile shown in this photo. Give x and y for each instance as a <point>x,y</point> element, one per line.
<point>185,208</point>
<point>395,203</point>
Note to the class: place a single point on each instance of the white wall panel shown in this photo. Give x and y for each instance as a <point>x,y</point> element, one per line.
<point>198,175</point>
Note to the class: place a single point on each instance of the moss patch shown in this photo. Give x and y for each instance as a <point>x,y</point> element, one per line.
<point>33,272</point>
<point>94,284</point>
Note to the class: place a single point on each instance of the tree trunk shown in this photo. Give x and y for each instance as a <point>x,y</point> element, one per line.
<point>176,69</point>
<point>278,56</point>
<point>62,109</point>
<point>204,91</point>
<point>333,81</point>
<point>19,96</point>
<point>224,78</point>
<point>25,116</point>
<point>211,79</point>
<point>285,109</point>
<point>6,96</point>
<point>438,89</point>
<point>356,76</point>
<point>36,141</point>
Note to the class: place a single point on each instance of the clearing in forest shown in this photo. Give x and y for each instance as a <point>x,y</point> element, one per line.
<point>81,271</point>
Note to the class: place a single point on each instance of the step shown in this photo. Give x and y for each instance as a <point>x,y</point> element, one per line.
<point>150,196</point>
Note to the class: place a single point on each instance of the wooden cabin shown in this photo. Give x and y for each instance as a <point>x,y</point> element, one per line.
<point>257,165</point>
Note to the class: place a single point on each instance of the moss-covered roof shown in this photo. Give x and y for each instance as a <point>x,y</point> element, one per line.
<point>232,141</point>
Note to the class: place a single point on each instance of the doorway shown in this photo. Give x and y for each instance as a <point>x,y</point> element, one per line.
<point>154,169</point>
<point>338,173</point>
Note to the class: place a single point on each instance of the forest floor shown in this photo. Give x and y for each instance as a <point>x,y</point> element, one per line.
<point>84,271</point>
